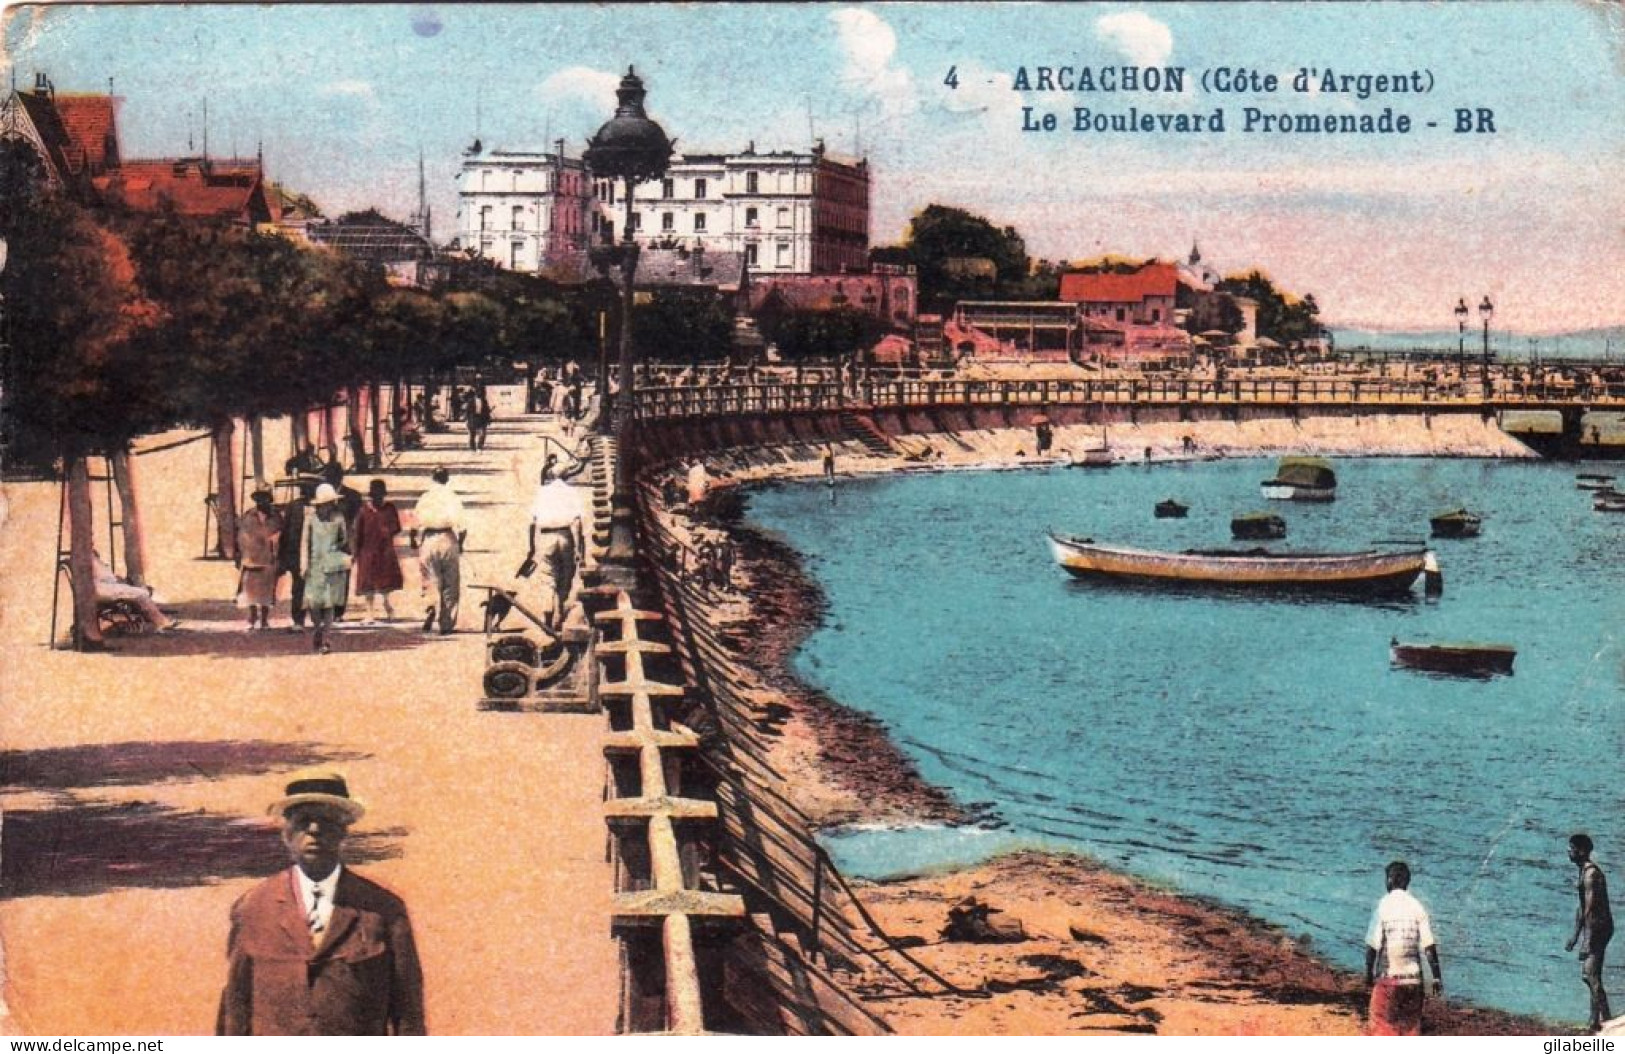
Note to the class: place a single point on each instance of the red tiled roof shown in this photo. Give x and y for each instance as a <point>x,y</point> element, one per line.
<point>225,189</point>
<point>1154,279</point>
<point>89,124</point>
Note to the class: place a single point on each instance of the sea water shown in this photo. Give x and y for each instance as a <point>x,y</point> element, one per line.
<point>1260,751</point>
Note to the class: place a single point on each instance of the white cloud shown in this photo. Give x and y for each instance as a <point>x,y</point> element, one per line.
<point>583,84</point>
<point>1144,40</point>
<point>870,45</point>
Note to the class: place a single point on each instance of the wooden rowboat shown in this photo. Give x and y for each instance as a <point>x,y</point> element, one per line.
<point>1458,523</point>
<point>1170,510</point>
<point>1362,573</point>
<point>1461,660</point>
<point>1593,481</point>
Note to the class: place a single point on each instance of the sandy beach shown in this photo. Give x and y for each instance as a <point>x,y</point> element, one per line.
<point>1105,953</point>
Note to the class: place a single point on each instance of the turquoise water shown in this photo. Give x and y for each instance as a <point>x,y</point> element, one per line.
<point>1259,751</point>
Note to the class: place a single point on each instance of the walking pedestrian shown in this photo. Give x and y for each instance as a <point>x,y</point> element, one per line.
<point>439,522</point>
<point>1593,926</point>
<point>324,560</point>
<point>293,524</point>
<point>377,568</point>
<point>1399,936</point>
<point>829,464</point>
<point>318,950</point>
<point>259,532</point>
<point>479,419</point>
<point>555,537</point>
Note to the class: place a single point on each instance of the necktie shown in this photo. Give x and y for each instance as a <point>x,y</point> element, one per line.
<point>315,919</point>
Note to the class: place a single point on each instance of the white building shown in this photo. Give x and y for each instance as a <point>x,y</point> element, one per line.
<point>525,210</point>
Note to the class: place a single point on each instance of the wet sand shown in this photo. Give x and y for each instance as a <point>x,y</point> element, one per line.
<point>1106,953</point>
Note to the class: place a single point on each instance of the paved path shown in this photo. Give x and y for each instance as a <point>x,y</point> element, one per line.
<point>135,783</point>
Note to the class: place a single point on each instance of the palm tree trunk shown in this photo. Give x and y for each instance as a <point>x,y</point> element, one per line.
<point>82,572</point>
<point>225,491</point>
<point>135,537</point>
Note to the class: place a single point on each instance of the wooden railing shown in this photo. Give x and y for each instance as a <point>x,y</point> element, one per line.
<point>1507,393</point>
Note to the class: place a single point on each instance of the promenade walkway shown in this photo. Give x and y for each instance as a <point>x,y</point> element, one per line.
<point>134,783</point>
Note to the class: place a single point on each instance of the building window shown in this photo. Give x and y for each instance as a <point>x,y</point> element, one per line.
<point>784,255</point>
<point>666,188</point>
<point>750,218</point>
<point>513,255</point>
<point>1120,314</point>
<point>784,217</point>
<point>485,217</point>
<point>519,217</point>
<point>637,221</point>
<point>699,222</point>
<point>750,182</point>
<point>699,189</point>
<point>668,222</point>
<point>750,254</point>
<point>1156,314</point>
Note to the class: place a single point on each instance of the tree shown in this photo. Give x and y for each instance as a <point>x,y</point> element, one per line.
<point>683,325</point>
<point>1281,316</point>
<point>945,243</point>
<point>71,381</point>
<point>803,334</point>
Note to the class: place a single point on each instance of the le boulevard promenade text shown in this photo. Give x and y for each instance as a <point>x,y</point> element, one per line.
<point>1335,88</point>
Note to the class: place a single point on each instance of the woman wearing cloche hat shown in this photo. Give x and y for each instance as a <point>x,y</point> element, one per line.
<point>324,560</point>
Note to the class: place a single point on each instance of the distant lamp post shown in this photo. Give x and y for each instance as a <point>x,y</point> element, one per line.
<point>632,148</point>
<point>1462,311</point>
<point>1486,311</point>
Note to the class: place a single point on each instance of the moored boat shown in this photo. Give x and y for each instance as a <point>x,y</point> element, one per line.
<point>1458,523</point>
<point>1370,572</point>
<point>1594,481</point>
<point>1460,659</point>
<point>1302,479</point>
<point>1094,457</point>
<point>1170,509</point>
<point>1257,526</point>
<point>1609,503</point>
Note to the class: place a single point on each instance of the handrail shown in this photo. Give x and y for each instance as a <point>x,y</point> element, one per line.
<point>1508,390</point>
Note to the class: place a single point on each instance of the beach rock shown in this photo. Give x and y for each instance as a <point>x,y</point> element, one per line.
<point>1083,936</point>
<point>969,921</point>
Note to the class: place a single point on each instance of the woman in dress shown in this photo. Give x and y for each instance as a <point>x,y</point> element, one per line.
<point>258,532</point>
<point>324,560</point>
<point>377,569</point>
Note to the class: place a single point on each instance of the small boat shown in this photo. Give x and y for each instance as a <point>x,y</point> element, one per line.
<point>1094,457</point>
<point>1170,510</point>
<point>1594,481</point>
<point>1458,523</point>
<point>1614,503</point>
<point>1363,573</point>
<point>1258,525</point>
<point>1302,479</point>
<point>1459,659</point>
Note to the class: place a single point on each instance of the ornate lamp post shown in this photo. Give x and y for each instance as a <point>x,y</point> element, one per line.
<point>1486,311</point>
<point>632,148</point>
<point>1462,311</point>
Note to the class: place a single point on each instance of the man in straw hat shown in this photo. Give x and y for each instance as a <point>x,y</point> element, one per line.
<point>317,950</point>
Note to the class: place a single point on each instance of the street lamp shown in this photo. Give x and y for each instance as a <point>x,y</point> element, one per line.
<point>1486,310</point>
<point>1462,311</point>
<point>632,148</point>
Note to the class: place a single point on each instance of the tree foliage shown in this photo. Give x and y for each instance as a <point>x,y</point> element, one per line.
<point>73,307</point>
<point>683,325</point>
<point>1284,317</point>
<point>960,255</point>
<point>802,334</point>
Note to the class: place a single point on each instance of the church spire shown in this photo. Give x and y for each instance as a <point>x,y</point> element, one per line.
<point>1196,253</point>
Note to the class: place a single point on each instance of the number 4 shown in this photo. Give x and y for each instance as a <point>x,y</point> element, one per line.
<point>952,79</point>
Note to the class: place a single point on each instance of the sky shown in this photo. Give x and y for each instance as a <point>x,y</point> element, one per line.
<point>1387,231</point>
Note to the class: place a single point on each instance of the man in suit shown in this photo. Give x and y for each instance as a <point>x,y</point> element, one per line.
<point>317,950</point>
